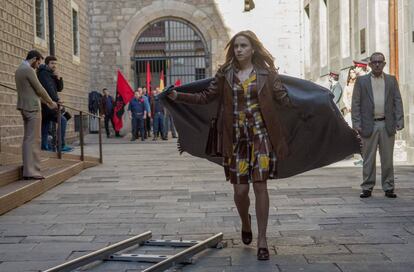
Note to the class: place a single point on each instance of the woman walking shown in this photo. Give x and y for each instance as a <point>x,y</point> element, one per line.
<point>247,86</point>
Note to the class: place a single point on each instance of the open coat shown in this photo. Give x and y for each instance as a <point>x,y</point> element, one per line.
<point>305,127</point>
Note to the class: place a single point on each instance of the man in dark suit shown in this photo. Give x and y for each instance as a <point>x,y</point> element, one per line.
<point>107,110</point>
<point>377,113</point>
<point>53,83</point>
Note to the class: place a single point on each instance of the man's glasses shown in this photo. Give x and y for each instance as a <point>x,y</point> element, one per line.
<point>377,62</point>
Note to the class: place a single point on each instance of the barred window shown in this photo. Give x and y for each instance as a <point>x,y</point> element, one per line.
<point>40,19</point>
<point>200,73</point>
<point>75,32</point>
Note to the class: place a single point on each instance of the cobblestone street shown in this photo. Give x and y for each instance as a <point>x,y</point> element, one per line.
<point>317,220</point>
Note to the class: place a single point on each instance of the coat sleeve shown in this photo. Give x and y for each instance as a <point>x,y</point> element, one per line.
<point>337,91</point>
<point>38,88</point>
<point>398,106</point>
<point>280,93</point>
<point>205,96</point>
<point>59,84</point>
<point>356,105</point>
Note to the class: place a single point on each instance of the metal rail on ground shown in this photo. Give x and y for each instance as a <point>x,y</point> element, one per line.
<point>162,262</point>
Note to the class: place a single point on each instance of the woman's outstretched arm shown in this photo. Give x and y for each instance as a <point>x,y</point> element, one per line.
<point>201,98</point>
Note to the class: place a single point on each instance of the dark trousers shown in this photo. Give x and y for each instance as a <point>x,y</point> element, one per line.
<point>148,127</point>
<point>45,132</point>
<point>137,123</point>
<point>169,125</point>
<point>107,119</point>
<point>158,121</point>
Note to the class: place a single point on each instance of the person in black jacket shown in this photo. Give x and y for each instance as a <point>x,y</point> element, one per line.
<point>53,83</point>
<point>107,105</point>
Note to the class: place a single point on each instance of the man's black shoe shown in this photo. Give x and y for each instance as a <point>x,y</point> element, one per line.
<point>133,139</point>
<point>365,194</point>
<point>34,178</point>
<point>390,194</point>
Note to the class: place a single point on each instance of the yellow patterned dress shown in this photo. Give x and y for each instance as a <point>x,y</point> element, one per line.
<point>253,159</point>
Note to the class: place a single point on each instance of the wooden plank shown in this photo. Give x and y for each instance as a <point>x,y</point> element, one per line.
<point>32,190</point>
<point>9,174</point>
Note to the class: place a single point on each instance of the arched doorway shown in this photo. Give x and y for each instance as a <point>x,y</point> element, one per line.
<point>173,49</point>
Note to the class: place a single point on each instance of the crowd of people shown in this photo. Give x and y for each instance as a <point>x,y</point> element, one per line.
<point>146,112</point>
<point>343,93</point>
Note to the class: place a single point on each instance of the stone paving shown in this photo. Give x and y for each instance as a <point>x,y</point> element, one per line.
<point>317,221</point>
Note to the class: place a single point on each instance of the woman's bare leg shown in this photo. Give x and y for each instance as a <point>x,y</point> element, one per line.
<point>241,198</point>
<point>262,211</point>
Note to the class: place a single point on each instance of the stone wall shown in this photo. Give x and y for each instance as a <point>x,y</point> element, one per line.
<point>406,60</point>
<point>17,38</point>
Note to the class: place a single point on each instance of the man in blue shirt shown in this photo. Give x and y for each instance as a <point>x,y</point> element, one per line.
<point>158,116</point>
<point>138,114</point>
<point>147,123</point>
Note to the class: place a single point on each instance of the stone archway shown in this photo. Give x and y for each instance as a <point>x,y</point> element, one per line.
<point>213,31</point>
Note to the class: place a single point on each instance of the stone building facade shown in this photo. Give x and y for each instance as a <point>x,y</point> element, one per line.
<point>340,31</point>
<point>115,27</point>
<point>24,26</point>
<point>406,68</point>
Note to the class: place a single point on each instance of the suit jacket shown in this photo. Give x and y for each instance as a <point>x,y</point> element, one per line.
<point>337,92</point>
<point>363,106</point>
<point>29,90</point>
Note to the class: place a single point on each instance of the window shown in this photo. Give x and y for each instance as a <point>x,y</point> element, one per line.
<point>323,32</point>
<point>40,20</point>
<point>345,28</point>
<point>362,41</point>
<point>363,24</point>
<point>200,73</point>
<point>306,33</point>
<point>75,31</point>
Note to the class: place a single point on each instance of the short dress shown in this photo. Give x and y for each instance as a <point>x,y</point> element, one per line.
<point>253,159</point>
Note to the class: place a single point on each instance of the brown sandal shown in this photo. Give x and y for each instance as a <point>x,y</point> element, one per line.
<point>262,254</point>
<point>247,236</point>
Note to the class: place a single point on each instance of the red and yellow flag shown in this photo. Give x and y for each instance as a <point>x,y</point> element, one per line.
<point>162,86</point>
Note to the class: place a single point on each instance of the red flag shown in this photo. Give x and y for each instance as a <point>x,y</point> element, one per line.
<point>124,94</point>
<point>177,83</point>
<point>148,78</point>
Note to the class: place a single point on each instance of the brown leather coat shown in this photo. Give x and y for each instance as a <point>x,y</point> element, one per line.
<point>271,94</point>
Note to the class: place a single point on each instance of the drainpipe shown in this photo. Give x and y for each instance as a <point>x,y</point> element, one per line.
<point>393,32</point>
<point>51,28</point>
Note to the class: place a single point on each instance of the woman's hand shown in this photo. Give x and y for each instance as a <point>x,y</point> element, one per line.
<point>172,95</point>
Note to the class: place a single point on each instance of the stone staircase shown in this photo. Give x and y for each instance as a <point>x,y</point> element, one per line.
<point>14,191</point>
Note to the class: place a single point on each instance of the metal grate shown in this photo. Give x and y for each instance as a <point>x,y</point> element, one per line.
<point>173,48</point>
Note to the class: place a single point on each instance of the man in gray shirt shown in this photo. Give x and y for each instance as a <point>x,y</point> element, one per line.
<point>377,113</point>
